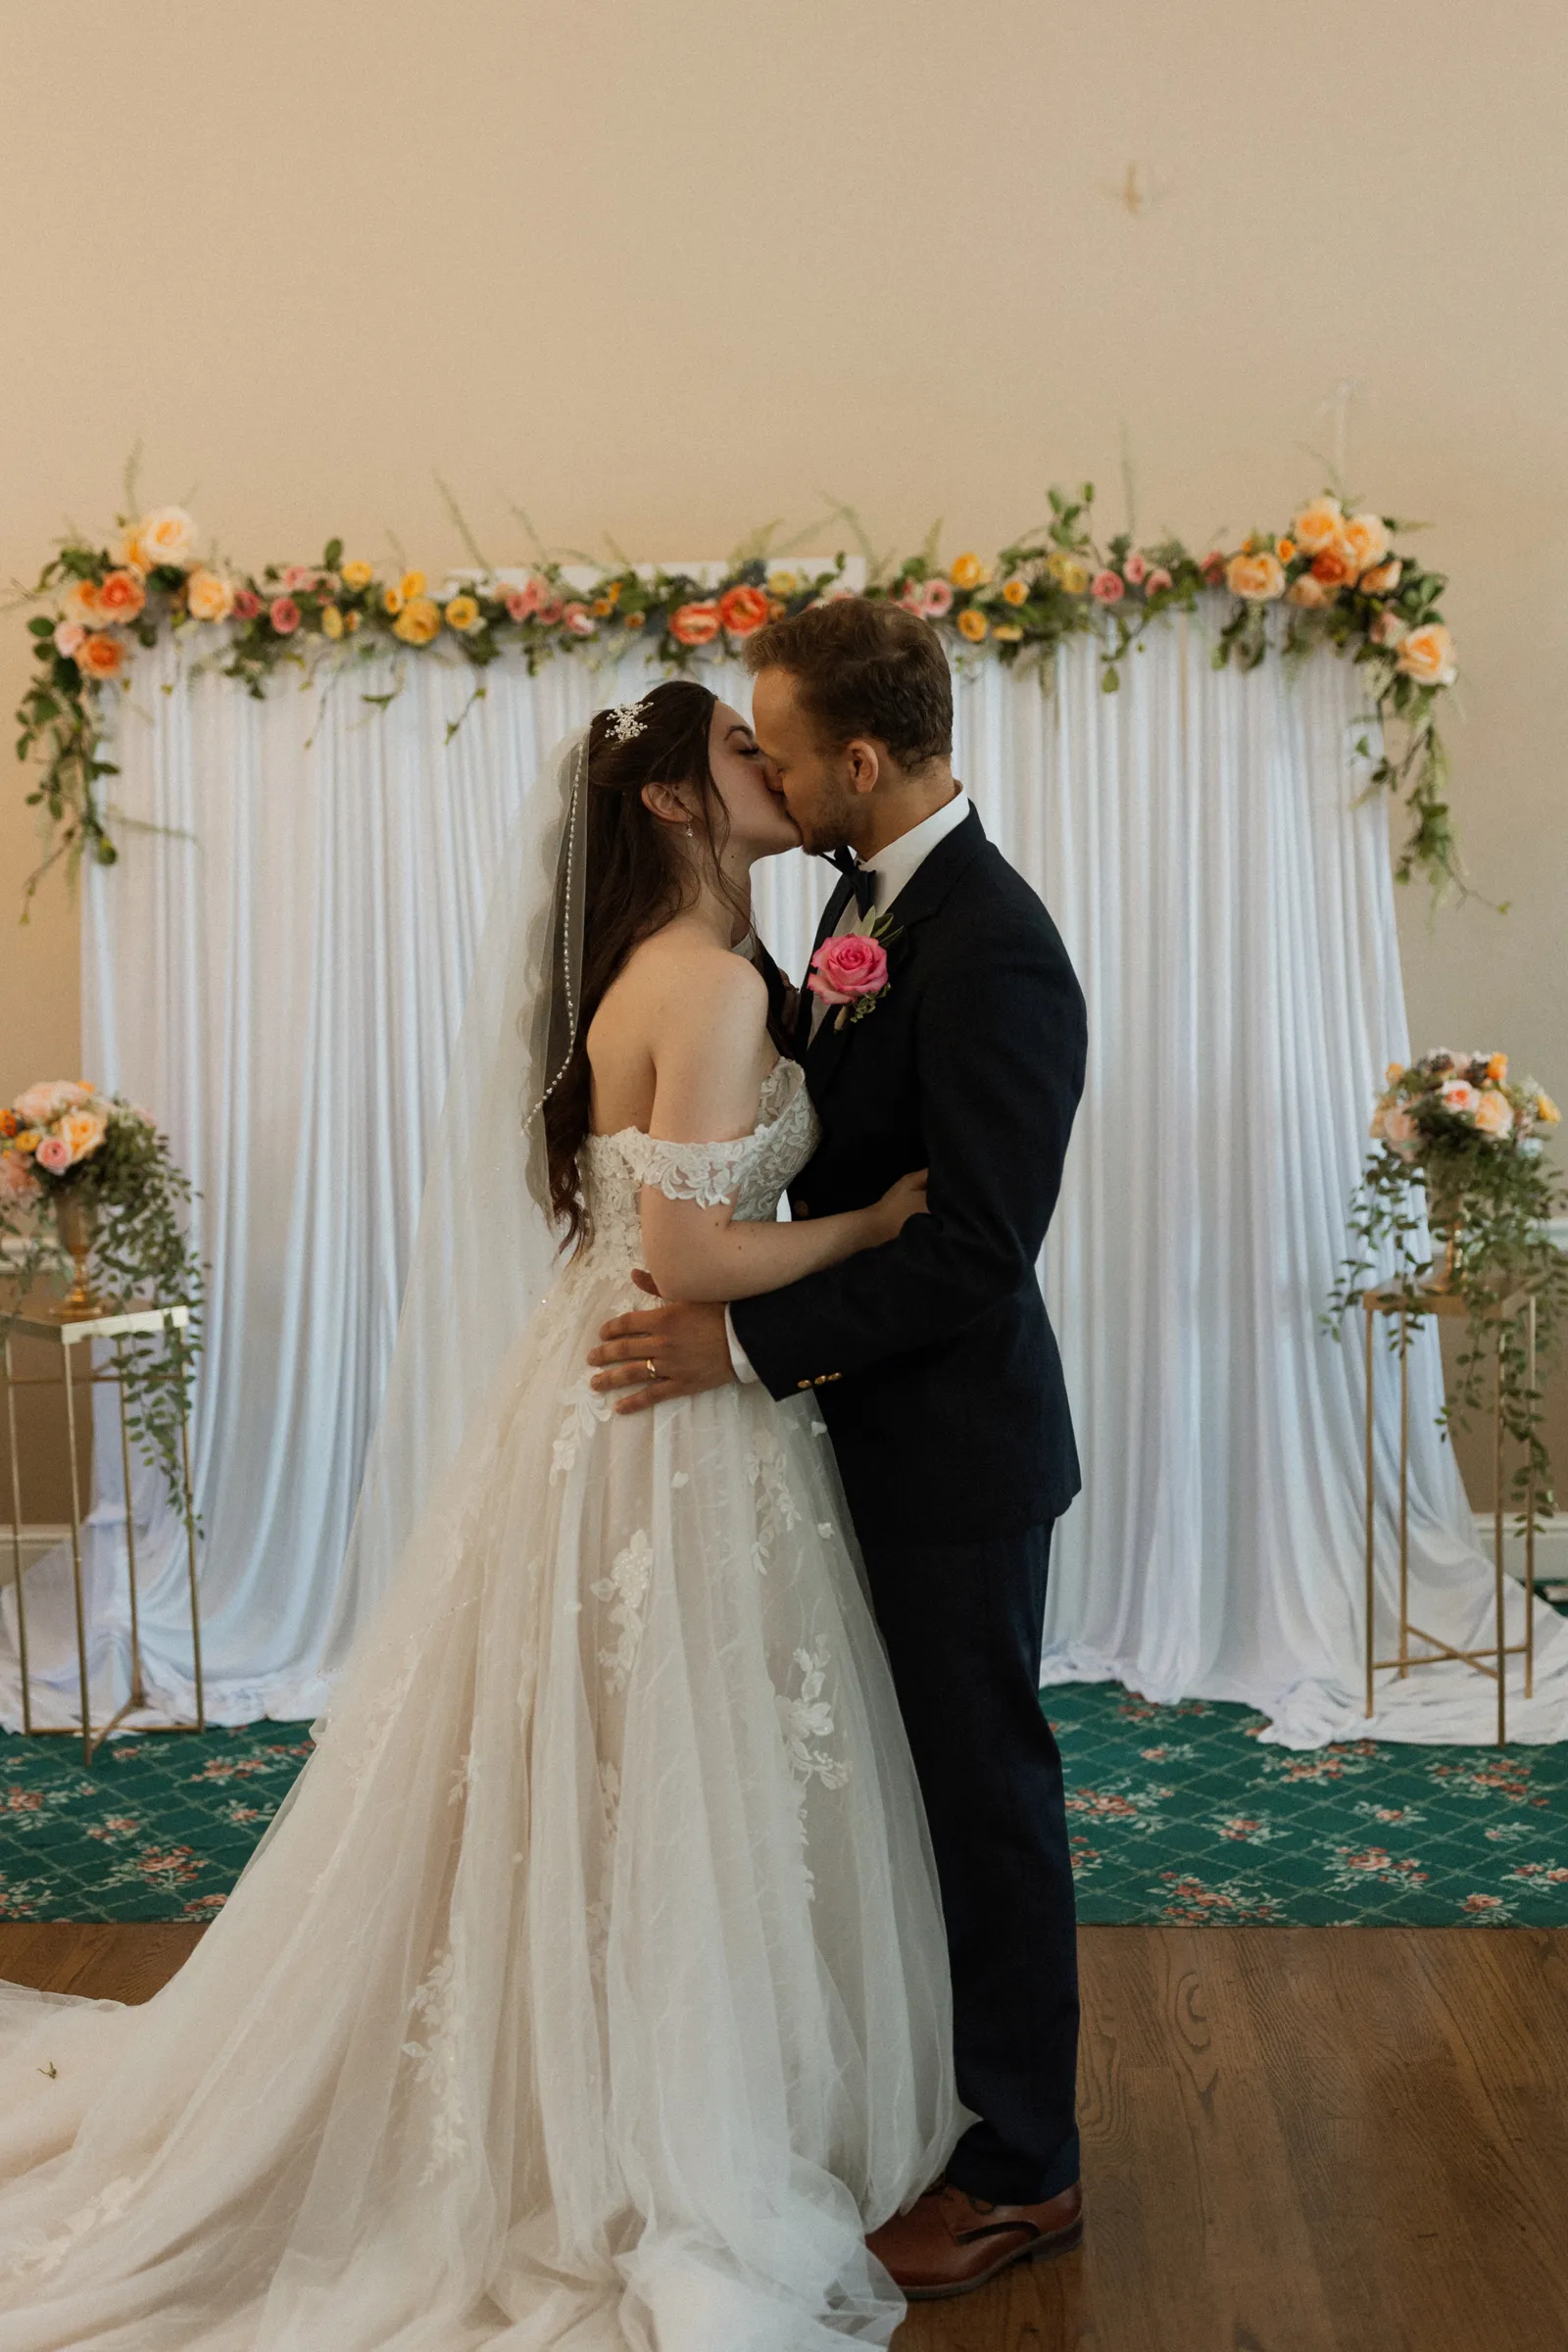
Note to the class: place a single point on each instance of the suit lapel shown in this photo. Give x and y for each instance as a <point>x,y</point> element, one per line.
<point>805,1003</point>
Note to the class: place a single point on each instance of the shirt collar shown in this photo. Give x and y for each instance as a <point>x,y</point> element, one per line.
<point>897,864</point>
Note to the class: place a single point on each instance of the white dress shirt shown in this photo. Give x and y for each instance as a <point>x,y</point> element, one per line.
<point>897,864</point>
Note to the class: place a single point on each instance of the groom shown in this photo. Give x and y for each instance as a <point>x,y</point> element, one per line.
<point>932,1361</point>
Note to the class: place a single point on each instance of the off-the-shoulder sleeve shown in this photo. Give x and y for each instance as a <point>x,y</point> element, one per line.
<point>708,1173</point>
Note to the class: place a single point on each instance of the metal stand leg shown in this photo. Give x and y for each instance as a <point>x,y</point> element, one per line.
<point>190,1563</point>
<point>1371,1532</point>
<point>75,1556</point>
<point>1404,1497</point>
<point>16,1546</point>
<point>1496,1555</point>
<point>1529,1523</point>
<point>138,1695</point>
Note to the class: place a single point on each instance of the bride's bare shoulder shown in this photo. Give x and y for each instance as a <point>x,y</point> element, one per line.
<point>680,977</point>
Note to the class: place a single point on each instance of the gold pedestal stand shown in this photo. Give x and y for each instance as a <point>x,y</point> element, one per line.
<point>69,1329</point>
<point>1493,1659</point>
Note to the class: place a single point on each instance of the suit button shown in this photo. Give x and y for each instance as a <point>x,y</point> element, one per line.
<point>798,1209</point>
<point>803,1384</point>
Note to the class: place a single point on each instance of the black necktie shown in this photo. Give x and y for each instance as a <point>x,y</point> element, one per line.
<point>863,876</point>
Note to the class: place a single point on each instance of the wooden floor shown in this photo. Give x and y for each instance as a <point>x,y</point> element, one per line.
<point>1295,2139</point>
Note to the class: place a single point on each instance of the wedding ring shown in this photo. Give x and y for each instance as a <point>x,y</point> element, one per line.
<point>653,1368</point>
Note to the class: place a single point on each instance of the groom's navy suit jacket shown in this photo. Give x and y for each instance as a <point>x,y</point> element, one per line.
<point>931,1358</point>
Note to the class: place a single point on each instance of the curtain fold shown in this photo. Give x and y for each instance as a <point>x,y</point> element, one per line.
<point>279,977</point>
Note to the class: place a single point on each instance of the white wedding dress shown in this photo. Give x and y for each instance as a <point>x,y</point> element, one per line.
<point>589,1988</point>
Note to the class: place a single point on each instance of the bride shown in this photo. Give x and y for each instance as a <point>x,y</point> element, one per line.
<point>588,1991</point>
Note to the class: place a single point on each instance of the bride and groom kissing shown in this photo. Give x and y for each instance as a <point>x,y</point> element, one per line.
<point>670,1941</point>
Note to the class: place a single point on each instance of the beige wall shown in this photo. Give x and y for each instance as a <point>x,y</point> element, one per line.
<point>672,268</point>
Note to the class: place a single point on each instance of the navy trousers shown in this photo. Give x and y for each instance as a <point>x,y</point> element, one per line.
<point>962,1624</point>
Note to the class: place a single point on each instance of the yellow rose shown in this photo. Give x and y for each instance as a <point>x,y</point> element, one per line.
<point>166,536</point>
<point>1545,1110</point>
<point>1068,572</point>
<point>1396,1070</point>
<point>1016,590</point>
<point>1005,632</point>
<point>1367,538</point>
<point>1427,655</point>
<point>392,600</point>
<point>783,583</point>
<point>973,625</point>
<point>358,576</point>
<point>418,621</point>
<point>1318,525</point>
<point>31,1136</point>
<point>1259,578</point>
<point>967,573</point>
<point>410,585</point>
<point>210,595</point>
<point>462,614</point>
<point>331,623</point>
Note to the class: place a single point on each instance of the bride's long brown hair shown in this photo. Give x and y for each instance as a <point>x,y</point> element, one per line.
<point>636,879</point>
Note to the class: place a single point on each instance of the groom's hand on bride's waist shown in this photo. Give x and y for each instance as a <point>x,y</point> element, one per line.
<point>665,1350</point>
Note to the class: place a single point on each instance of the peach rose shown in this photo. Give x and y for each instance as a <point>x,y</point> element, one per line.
<point>1107,587</point>
<point>54,1154</point>
<point>1401,1132</point>
<point>966,571</point>
<point>82,603</point>
<point>68,637</point>
<point>842,969</point>
<point>1285,548</point>
<point>83,1132</point>
<point>210,595</point>
<point>1389,629</point>
<point>1427,655</point>
<point>99,656</point>
<point>165,536</point>
<point>1366,537</point>
<point>1459,1096</point>
<point>1318,525</point>
<point>743,610</point>
<point>1494,1113</point>
<point>1335,565</point>
<point>695,625</point>
<point>1309,593</point>
<point>1383,578</point>
<point>284,614</point>
<point>49,1097</point>
<point>120,597</point>
<point>17,1180</point>
<point>1259,578</point>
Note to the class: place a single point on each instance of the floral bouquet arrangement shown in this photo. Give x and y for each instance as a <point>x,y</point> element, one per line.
<point>1459,1156</point>
<point>117,1195</point>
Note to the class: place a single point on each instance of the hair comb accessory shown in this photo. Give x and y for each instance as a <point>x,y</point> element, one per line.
<point>626,722</point>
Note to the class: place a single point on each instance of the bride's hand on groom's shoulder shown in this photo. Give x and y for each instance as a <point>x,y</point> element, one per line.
<point>669,1348</point>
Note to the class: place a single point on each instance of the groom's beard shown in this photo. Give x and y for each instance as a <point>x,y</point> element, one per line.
<point>832,822</point>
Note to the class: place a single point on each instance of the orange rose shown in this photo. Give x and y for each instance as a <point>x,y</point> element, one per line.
<point>1318,525</point>
<point>1016,590</point>
<point>120,597</point>
<point>743,610</point>
<point>1366,538</point>
<point>967,571</point>
<point>1285,548</point>
<point>695,625</point>
<point>99,656</point>
<point>1335,565</point>
<point>973,625</point>
<point>1425,655</point>
<point>1496,1068</point>
<point>1383,578</point>
<point>9,1122</point>
<point>82,603</point>
<point>1259,578</point>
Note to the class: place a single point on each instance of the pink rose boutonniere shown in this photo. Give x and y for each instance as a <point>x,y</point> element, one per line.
<point>851,972</point>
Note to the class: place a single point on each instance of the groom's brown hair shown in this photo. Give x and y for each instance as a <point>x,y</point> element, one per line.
<point>865,666</point>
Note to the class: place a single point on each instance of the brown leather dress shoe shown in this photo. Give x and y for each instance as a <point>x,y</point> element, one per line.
<point>949,2243</point>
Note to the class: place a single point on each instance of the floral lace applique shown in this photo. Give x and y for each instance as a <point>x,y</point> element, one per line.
<point>806,1717</point>
<point>46,2254</point>
<point>775,1507</point>
<point>436,2004</point>
<point>586,1410</point>
<point>626,1588</point>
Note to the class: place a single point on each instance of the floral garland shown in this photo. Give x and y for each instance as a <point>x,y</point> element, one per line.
<point>1336,576</point>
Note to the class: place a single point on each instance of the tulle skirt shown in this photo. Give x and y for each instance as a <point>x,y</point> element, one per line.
<point>589,1988</point>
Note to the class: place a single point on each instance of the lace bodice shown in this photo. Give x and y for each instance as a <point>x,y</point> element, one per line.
<point>752,1171</point>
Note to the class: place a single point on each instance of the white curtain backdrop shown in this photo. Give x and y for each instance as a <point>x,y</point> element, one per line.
<point>280,976</point>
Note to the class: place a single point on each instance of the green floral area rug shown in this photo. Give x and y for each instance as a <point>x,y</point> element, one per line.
<point>1179,1816</point>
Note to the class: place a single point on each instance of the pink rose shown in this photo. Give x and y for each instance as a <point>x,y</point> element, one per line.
<point>1135,570</point>
<point>936,600</point>
<point>247,603</point>
<point>298,579</point>
<point>1108,587</point>
<point>579,620</point>
<point>54,1154</point>
<point>1389,628</point>
<point>1459,1096</point>
<point>842,969</point>
<point>17,1180</point>
<point>527,601</point>
<point>1157,580</point>
<point>68,636</point>
<point>284,615</point>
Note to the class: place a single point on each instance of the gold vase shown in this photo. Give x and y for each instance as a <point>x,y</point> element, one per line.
<point>77,1222</point>
<point>1444,1222</point>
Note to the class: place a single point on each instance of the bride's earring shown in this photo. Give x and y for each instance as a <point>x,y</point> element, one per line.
<point>688,828</point>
